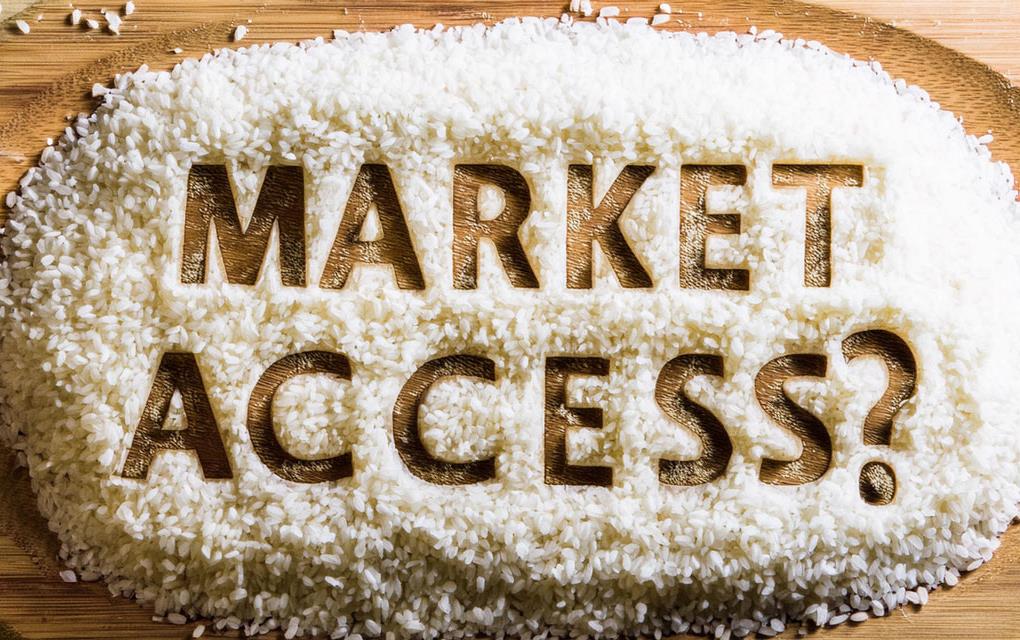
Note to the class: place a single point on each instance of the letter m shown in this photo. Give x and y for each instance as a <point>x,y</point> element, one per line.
<point>210,202</point>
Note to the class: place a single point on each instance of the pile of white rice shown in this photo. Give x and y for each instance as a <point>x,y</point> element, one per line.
<point>91,296</point>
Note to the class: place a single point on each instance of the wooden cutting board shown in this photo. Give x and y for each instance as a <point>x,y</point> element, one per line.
<point>47,75</point>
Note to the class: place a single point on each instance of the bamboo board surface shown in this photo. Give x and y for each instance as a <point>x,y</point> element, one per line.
<point>47,75</point>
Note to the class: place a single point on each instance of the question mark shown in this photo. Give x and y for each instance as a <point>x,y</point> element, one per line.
<point>878,481</point>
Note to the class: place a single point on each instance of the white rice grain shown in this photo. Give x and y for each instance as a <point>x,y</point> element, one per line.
<point>113,21</point>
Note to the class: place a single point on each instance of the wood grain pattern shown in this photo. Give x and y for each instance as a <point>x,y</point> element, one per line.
<point>982,29</point>
<point>47,75</point>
